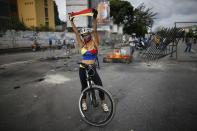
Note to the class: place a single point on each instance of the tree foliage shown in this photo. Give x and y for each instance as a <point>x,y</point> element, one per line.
<point>133,20</point>
<point>121,11</point>
<point>144,15</point>
<point>56,15</point>
<point>16,24</point>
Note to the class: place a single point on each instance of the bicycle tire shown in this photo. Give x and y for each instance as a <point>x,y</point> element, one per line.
<point>112,111</point>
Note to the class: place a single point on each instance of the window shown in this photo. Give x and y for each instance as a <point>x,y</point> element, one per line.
<point>13,7</point>
<point>29,3</point>
<point>47,23</point>
<point>46,19</point>
<point>29,19</point>
<point>46,12</point>
<point>46,3</point>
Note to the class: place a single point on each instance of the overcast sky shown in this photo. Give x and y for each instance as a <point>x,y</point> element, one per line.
<point>61,4</point>
<point>168,11</point>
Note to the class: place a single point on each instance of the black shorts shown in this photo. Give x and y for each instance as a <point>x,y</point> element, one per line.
<point>96,79</point>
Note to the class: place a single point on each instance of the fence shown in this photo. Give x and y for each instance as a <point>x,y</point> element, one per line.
<point>163,43</point>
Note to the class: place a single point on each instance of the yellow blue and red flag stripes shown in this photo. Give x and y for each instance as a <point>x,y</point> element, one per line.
<point>88,54</point>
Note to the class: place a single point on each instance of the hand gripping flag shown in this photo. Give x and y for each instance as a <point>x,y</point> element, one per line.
<point>85,12</point>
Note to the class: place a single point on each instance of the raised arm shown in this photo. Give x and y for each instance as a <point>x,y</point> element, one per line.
<point>95,33</point>
<point>80,42</point>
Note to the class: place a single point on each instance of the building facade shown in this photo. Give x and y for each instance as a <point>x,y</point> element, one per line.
<point>36,13</point>
<point>4,15</point>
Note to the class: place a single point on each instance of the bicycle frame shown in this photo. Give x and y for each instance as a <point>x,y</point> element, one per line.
<point>92,93</point>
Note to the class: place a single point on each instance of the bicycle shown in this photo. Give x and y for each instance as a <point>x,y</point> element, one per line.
<point>93,115</point>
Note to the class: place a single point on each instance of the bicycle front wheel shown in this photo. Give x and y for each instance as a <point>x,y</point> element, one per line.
<point>95,115</point>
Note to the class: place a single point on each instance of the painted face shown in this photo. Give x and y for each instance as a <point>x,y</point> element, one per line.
<point>87,37</point>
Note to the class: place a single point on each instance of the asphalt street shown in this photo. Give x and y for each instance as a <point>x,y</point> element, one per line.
<point>42,95</point>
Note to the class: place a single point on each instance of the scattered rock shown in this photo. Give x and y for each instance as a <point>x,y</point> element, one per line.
<point>76,69</point>
<point>69,69</point>
<point>2,68</point>
<point>40,79</point>
<point>58,67</point>
<point>35,96</point>
<point>17,87</point>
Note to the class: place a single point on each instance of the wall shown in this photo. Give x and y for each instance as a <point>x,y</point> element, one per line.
<point>40,14</point>
<point>51,14</point>
<point>16,39</point>
<point>13,39</point>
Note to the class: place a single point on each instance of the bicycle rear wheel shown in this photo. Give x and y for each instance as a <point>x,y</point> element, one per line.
<point>95,115</point>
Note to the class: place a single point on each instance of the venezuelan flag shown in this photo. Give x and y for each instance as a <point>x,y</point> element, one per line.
<point>85,12</point>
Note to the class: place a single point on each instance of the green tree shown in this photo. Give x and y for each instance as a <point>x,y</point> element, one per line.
<point>16,24</point>
<point>133,20</point>
<point>121,11</point>
<point>144,16</point>
<point>56,15</point>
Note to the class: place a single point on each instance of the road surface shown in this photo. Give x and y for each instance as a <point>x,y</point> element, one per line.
<point>42,95</point>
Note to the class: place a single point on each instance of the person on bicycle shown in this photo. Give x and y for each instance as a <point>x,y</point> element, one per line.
<point>89,50</point>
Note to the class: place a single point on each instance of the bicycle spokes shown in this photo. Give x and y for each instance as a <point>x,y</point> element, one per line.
<point>95,113</point>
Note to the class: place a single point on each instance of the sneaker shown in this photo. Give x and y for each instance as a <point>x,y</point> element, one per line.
<point>84,105</point>
<point>105,107</point>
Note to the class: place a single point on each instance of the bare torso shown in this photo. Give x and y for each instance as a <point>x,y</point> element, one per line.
<point>90,45</point>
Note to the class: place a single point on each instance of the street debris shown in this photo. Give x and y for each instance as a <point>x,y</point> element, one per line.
<point>2,68</point>
<point>119,55</point>
<point>58,67</point>
<point>35,96</point>
<point>152,65</point>
<point>16,87</point>
<point>69,117</point>
<point>40,79</point>
<point>53,58</point>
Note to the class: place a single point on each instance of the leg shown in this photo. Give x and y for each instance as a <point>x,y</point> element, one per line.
<point>133,49</point>
<point>130,50</point>
<point>97,81</point>
<point>186,48</point>
<point>82,76</point>
<point>189,48</point>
